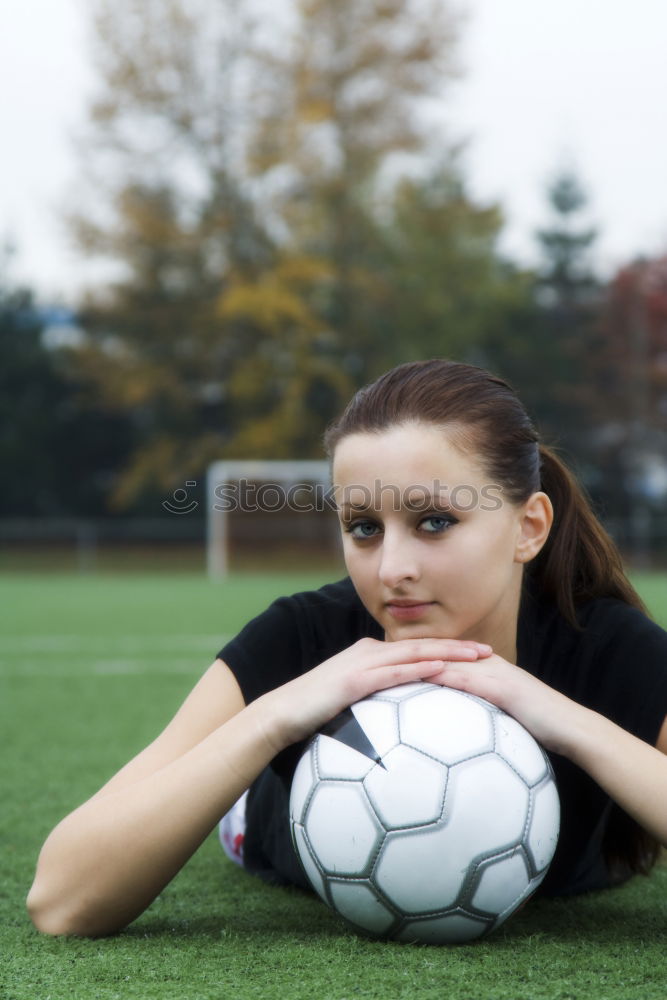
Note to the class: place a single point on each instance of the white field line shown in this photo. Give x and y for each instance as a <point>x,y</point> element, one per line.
<point>57,643</point>
<point>102,668</point>
<point>43,655</point>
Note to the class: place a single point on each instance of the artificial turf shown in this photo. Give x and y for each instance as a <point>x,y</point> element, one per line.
<point>91,667</point>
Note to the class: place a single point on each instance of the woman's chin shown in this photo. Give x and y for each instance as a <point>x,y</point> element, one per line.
<point>394,632</point>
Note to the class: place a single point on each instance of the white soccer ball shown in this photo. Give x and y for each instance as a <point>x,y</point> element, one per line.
<point>445,838</point>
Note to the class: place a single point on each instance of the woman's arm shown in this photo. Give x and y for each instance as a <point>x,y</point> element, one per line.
<point>106,861</point>
<point>632,772</point>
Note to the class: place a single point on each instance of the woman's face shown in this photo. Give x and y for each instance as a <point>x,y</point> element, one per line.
<point>431,545</point>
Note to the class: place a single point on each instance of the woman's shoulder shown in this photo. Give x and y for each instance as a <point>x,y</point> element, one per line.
<point>294,634</point>
<point>340,593</point>
<point>615,662</point>
<point>609,630</point>
<point>312,620</point>
<point>598,619</point>
<point>332,612</point>
<point>608,618</point>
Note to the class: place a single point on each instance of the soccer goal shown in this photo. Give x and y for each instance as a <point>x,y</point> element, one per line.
<point>263,503</point>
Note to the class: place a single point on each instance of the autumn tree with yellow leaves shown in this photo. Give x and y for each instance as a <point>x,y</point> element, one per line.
<point>285,218</point>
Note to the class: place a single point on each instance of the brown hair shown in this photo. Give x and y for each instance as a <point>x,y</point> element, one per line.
<point>579,560</point>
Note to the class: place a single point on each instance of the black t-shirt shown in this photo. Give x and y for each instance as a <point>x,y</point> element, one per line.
<point>616,664</point>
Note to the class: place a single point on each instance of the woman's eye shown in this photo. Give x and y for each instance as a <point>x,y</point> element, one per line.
<point>436,524</point>
<point>363,529</point>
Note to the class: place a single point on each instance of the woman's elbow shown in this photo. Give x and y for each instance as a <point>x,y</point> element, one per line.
<point>45,917</point>
<point>56,918</point>
<point>48,917</point>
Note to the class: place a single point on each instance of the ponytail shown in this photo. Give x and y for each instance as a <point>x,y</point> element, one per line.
<point>579,560</point>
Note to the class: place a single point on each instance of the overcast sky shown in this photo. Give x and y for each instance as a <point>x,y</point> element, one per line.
<point>547,82</point>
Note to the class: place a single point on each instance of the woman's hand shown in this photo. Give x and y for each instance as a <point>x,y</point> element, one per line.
<point>553,719</point>
<point>297,709</point>
<point>632,772</point>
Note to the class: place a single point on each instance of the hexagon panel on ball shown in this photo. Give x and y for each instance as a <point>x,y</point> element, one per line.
<point>342,829</point>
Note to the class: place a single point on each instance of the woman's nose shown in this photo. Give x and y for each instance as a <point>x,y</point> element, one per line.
<point>398,561</point>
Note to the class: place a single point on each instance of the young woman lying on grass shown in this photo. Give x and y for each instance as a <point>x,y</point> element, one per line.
<point>474,561</point>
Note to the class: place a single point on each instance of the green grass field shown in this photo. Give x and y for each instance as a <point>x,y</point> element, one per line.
<point>91,667</point>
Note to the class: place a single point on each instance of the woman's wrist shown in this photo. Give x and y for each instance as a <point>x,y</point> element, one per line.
<point>273,732</point>
<point>584,737</point>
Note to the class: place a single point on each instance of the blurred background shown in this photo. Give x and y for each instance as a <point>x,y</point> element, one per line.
<point>218,218</point>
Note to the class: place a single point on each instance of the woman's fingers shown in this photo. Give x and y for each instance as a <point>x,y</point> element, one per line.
<point>370,665</point>
<point>408,650</point>
<point>546,713</point>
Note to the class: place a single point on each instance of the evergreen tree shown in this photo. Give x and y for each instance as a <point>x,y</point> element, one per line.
<point>59,453</point>
<point>545,340</point>
<point>566,246</point>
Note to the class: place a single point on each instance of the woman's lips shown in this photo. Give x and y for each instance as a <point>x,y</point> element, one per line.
<point>408,610</point>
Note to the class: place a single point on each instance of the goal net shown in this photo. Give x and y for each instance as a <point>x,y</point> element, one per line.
<point>260,507</point>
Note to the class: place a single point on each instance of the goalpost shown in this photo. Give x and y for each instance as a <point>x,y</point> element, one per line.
<point>256,486</point>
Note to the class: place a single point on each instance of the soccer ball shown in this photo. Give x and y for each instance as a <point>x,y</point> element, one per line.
<point>443,835</point>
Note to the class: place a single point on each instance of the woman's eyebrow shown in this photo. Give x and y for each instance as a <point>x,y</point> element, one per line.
<point>422,500</point>
<point>419,500</point>
<point>349,505</point>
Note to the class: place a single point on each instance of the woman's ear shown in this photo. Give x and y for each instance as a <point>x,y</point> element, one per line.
<point>536,518</point>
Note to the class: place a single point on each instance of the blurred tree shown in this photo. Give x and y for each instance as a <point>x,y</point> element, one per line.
<point>630,379</point>
<point>58,454</point>
<point>440,284</point>
<point>545,339</point>
<point>347,109</point>
<point>569,297</point>
<point>288,385</point>
<point>566,276</point>
<point>165,153</point>
<point>633,364</point>
<point>246,169</point>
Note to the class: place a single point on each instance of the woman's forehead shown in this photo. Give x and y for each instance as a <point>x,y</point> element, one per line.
<point>420,455</point>
<point>426,443</point>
